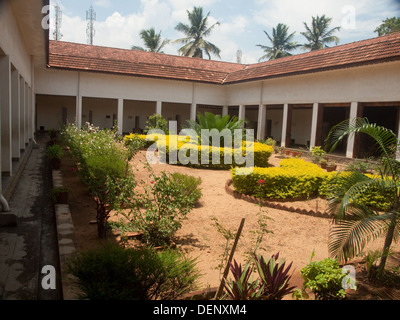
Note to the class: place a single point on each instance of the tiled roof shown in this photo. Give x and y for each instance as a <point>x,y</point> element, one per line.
<point>74,56</point>
<point>381,49</point>
<point>82,57</point>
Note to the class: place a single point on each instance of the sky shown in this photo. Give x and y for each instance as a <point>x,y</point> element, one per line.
<point>241,23</point>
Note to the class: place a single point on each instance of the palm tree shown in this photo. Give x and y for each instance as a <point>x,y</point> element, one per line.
<point>281,41</point>
<point>211,121</point>
<point>318,35</point>
<point>196,31</point>
<point>355,224</point>
<point>152,41</point>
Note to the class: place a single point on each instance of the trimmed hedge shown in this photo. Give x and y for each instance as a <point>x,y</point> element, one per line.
<point>295,178</point>
<point>202,156</point>
<point>373,197</point>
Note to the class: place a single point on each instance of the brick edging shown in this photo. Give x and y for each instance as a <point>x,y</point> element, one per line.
<point>66,240</point>
<point>270,204</point>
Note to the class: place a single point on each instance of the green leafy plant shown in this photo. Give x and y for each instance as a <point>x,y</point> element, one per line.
<point>188,186</point>
<point>324,279</point>
<point>355,223</point>
<point>211,121</point>
<point>156,121</point>
<point>229,236</point>
<point>274,276</point>
<point>159,211</point>
<point>317,153</point>
<point>114,273</point>
<point>242,287</point>
<point>54,151</point>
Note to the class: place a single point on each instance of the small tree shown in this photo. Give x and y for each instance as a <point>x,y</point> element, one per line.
<point>355,224</point>
<point>156,121</point>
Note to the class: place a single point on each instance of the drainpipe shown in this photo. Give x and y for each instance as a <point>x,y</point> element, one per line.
<point>4,204</point>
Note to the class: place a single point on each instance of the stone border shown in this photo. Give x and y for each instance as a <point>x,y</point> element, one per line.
<point>66,240</point>
<point>275,205</point>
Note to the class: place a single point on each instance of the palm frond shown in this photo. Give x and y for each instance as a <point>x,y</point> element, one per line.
<point>349,236</point>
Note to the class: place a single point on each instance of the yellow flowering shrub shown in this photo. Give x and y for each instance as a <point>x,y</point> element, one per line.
<point>210,156</point>
<point>294,178</point>
<point>373,197</point>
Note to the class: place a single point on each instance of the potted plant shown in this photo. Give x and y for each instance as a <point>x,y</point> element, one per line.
<point>330,166</point>
<point>323,163</point>
<point>60,195</point>
<point>55,153</point>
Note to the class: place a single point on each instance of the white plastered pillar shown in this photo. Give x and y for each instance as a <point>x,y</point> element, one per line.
<point>159,107</point>
<point>225,110</point>
<point>193,111</point>
<point>284,124</point>
<point>15,113</point>
<point>314,125</point>
<point>351,138</point>
<point>242,112</point>
<point>5,103</point>
<point>120,116</point>
<point>262,114</point>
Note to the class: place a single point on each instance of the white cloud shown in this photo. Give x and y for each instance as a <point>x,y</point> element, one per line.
<point>103,3</point>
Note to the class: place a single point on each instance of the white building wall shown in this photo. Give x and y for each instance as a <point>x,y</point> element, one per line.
<point>377,82</point>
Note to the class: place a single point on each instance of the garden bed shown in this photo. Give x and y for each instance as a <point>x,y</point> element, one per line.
<point>295,235</point>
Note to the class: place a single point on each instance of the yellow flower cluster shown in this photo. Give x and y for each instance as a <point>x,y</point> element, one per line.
<point>218,157</point>
<point>294,178</point>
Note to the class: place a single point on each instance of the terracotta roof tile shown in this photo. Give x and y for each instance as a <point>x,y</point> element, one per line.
<point>349,55</point>
<point>72,56</point>
<point>138,63</point>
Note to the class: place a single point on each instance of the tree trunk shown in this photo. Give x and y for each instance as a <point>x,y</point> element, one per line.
<point>388,243</point>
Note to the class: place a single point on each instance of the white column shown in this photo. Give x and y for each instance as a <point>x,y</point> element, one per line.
<point>30,114</point>
<point>5,103</point>
<point>314,125</point>
<point>159,108</point>
<point>225,111</point>
<point>26,114</point>
<point>351,138</point>
<point>22,99</point>
<point>120,116</point>
<point>242,112</point>
<point>15,114</point>
<point>284,124</point>
<point>262,114</point>
<point>193,111</point>
<point>79,111</point>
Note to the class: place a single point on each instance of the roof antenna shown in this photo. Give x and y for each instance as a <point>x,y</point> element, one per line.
<point>90,18</point>
<point>57,23</point>
<point>239,56</point>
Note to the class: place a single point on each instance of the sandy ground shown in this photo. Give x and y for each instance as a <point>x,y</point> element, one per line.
<point>295,236</point>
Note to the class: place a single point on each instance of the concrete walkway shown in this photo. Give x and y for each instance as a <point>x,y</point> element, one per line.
<point>31,245</point>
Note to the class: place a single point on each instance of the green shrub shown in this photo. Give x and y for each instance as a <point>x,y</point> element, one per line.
<point>373,197</point>
<point>212,156</point>
<point>156,121</point>
<point>54,152</point>
<point>295,178</point>
<point>160,210</point>
<point>188,186</point>
<point>114,273</point>
<point>324,279</point>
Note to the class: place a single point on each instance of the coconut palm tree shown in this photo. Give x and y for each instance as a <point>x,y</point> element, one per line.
<point>281,41</point>
<point>319,35</point>
<point>152,41</point>
<point>196,31</point>
<point>355,224</point>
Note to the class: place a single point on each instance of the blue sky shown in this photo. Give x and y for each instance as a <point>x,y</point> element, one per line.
<point>119,22</point>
